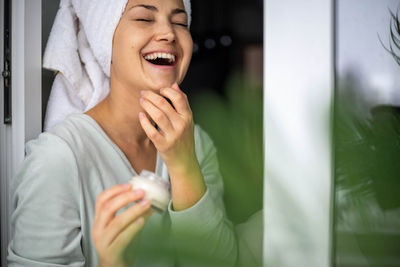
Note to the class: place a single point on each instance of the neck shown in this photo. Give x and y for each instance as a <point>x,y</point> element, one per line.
<point>118,115</point>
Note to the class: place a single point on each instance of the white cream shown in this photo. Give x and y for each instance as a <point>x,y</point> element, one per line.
<point>156,189</point>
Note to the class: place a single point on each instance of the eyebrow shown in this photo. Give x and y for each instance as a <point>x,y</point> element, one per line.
<point>153,8</point>
<point>177,11</point>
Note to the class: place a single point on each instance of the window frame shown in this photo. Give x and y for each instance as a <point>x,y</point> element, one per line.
<point>26,61</point>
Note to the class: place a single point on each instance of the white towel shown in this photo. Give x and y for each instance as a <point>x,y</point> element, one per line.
<point>79,50</point>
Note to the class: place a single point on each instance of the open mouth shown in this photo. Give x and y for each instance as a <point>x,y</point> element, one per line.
<point>160,59</point>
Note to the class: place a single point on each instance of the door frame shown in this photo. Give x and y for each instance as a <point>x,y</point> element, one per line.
<point>26,112</point>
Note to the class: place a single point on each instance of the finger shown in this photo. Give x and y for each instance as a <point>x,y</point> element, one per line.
<point>131,231</point>
<point>113,205</point>
<point>149,129</point>
<point>127,235</point>
<point>162,103</point>
<point>179,100</point>
<point>148,213</point>
<point>110,193</point>
<point>126,218</point>
<point>158,116</point>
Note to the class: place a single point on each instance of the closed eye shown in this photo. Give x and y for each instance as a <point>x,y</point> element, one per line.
<point>145,20</point>
<point>181,24</point>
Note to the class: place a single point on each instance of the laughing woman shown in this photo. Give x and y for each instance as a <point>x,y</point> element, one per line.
<point>73,203</point>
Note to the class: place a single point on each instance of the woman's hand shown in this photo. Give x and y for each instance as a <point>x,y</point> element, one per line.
<point>175,139</point>
<point>175,142</point>
<point>116,237</point>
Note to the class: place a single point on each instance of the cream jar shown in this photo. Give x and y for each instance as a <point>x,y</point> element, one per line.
<point>156,189</point>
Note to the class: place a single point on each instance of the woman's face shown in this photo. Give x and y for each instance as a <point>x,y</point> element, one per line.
<point>152,45</point>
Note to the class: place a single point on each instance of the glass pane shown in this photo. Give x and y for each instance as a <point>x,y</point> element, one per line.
<point>367,127</point>
<point>224,85</point>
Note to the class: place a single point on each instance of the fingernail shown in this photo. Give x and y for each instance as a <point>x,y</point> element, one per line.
<point>141,115</point>
<point>142,92</point>
<point>143,203</point>
<point>137,191</point>
<point>141,100</point>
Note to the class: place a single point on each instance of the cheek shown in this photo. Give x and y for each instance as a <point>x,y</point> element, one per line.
<point>188,51</point>
<point>128,40</point>
<point>187,46</point>
<point>119,47</point>
<point>127,53</point>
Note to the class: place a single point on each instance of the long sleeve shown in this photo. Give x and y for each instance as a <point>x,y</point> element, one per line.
<point>202,234</point>
<point>45,195</point>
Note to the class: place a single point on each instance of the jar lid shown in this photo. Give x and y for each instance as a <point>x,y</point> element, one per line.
<point>154,177</point>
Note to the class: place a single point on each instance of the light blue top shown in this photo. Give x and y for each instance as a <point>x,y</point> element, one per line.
<point>55,191</point>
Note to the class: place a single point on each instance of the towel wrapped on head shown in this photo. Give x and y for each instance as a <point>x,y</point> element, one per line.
<point>79,50</point>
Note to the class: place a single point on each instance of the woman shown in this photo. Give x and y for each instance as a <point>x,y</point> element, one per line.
<point>71,193</point>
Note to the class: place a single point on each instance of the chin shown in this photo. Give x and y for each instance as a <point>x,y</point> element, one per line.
<point>163,84</point>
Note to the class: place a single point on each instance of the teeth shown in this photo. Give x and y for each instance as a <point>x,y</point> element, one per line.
<point>152,56</point>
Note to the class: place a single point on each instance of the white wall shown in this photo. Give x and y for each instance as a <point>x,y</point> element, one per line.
<point>298,92</point>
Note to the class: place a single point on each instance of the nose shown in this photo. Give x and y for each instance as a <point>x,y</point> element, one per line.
<point>166,33</point>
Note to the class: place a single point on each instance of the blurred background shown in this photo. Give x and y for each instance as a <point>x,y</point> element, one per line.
<point>367,134</point>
